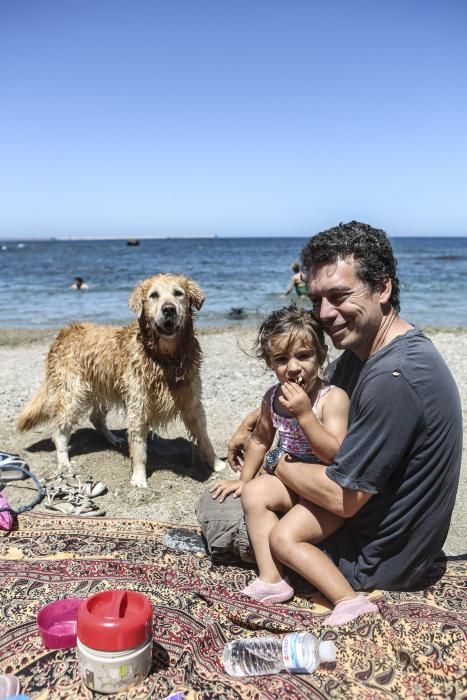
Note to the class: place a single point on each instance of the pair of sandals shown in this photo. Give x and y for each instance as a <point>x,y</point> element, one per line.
<point>67,494</point>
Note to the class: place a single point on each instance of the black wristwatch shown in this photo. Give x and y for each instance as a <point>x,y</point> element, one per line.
<point>272,460</point>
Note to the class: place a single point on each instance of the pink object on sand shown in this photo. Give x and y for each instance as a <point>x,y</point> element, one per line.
<point>6,518</point>
<point>58,623</point>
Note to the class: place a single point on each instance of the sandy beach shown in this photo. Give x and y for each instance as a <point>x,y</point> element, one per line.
<point>232,385</point>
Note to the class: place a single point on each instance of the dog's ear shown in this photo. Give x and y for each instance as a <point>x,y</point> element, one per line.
<point>135,301</point>
<point>194,294</point>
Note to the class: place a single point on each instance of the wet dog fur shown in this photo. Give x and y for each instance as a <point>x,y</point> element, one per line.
<point>150,368</point>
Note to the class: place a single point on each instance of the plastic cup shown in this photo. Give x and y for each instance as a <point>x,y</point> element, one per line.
<point>58,622</point>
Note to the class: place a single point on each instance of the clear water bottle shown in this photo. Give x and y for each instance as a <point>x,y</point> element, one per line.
<point>298,652</point>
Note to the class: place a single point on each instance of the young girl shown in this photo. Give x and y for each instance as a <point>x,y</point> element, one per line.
<point>311,419</point>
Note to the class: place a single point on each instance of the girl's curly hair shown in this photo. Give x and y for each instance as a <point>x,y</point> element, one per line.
<point>296,322</point>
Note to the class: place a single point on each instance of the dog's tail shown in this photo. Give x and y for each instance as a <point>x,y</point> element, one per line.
<point>35,411</point>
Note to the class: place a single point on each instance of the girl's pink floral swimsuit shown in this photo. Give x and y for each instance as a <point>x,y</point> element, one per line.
<point>292,439</point>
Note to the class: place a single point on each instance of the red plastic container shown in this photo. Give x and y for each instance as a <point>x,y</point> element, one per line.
<point>114,640</point>
<point>57,623</point>
<point>115,620</point>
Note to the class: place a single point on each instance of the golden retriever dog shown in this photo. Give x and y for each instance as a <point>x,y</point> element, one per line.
<point>150,368</point>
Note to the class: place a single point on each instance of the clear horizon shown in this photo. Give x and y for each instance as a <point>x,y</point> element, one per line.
<point>18,239</point>
<point>184,120</point>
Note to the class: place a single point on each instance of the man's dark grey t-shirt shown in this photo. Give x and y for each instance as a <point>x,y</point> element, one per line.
<point>404,445</point>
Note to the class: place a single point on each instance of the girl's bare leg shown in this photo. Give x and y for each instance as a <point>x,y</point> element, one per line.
<point>260,499</point>
<point>290,542</point>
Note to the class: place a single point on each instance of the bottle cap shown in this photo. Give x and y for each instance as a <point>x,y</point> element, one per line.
<point>327,651</point>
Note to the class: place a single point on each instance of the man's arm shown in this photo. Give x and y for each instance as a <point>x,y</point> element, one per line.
<point>259,444</point>
<point>312,483</point>
<point>239,441</point>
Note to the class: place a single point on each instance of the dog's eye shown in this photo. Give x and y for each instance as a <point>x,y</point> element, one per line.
<point>178,293</point>
<point>154,295</point>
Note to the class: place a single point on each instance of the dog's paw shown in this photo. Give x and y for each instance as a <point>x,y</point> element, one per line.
<point>139,480</point>
<point>219,465</point>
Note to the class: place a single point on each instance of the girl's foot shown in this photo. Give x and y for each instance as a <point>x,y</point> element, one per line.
<point>269,593</point>
<point>350,609</point>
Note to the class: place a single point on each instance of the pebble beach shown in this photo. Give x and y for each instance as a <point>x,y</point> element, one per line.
<point>233,383</point>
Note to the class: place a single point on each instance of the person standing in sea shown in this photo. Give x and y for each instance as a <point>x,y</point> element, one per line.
<point>296,282</point>
<point>394,479</point>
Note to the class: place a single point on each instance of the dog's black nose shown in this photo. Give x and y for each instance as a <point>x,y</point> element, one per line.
<point>168,310</point>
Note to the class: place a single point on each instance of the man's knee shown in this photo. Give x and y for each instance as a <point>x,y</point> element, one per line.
<point>224,530</point>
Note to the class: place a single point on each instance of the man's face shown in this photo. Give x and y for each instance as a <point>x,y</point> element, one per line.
<point>350,313</point>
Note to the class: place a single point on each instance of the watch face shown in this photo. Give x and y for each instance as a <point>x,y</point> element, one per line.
<point>272,458</point>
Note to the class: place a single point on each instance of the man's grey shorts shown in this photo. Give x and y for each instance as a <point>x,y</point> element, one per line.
<point>223,526</point>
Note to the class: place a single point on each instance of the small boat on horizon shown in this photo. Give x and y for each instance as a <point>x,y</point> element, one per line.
<point>132,241</point>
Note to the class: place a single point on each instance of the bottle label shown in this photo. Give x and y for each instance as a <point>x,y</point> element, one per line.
<point>293,652</point>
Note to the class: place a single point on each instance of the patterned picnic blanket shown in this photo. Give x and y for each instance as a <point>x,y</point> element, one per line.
<point>416,647</point>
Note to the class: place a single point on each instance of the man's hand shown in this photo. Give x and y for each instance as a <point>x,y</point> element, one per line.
<point>222,489</point>
<point>295,399</point>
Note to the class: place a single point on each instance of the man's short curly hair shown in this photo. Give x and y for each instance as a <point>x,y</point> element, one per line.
<point>369,247</point>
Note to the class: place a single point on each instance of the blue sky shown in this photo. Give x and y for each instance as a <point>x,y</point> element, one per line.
<point>192,118</point>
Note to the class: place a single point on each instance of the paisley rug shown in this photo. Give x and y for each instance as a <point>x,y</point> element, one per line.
<point>416,648</point>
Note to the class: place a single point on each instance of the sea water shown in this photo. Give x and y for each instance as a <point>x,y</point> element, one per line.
<point>247,273</point>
